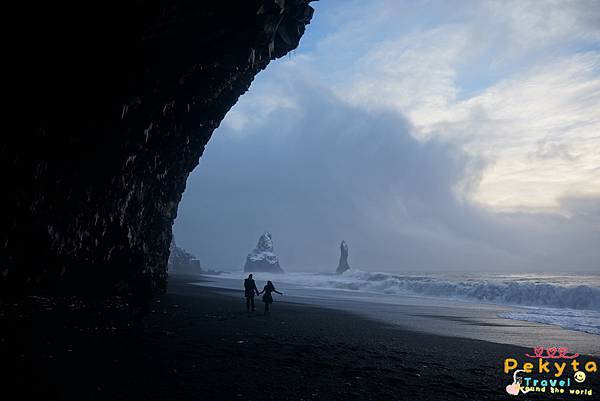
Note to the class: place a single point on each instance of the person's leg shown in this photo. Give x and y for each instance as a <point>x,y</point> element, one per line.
<point>247,304</point>
<point>266,308</point>
<point>252,303</point>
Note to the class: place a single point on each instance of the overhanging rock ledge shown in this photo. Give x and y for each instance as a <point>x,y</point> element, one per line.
<point>121,100</point>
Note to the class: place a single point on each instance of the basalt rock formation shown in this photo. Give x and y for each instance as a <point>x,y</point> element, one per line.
<point>183,262</point>
<point>262,258</point>
<point>343,264</point>
<point>121,99</point>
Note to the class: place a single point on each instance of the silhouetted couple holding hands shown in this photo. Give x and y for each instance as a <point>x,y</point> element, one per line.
<point>250,289</point>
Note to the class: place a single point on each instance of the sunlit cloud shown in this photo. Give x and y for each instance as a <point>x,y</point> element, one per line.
<point>429,135</point>
<point>516,83</point>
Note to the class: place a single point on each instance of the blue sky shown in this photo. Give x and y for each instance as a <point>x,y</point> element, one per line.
<point>436,135</point>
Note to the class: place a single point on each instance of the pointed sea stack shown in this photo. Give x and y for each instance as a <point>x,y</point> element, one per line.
<point>343,265</point>
<point>262,258</point>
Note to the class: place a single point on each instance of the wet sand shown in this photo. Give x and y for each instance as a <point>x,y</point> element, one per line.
<point>197,343</point>
<point>441,316</point>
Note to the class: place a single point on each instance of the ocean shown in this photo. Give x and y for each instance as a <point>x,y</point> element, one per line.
<point>473,305</point>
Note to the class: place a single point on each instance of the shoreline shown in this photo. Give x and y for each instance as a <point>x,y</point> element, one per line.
<point>196,343</point>
<point>434,315</point>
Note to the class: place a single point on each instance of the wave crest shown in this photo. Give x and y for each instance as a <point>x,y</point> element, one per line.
<point>499,291</point>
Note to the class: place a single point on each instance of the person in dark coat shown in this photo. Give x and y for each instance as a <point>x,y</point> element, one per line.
<point>267,297</point>
<point>249,291</point>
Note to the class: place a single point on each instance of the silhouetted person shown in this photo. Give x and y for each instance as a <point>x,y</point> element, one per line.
<point>249,291</point>
<point>267,297</point>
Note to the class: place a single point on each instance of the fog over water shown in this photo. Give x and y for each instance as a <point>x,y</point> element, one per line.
<point>419,152</point>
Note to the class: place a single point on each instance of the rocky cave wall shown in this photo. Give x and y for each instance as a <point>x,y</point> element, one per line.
<point>121,100</point>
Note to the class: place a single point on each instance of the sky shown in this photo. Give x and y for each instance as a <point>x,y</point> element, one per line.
<point>430,135</point>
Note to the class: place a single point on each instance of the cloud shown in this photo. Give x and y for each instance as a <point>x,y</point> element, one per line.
<point>329,171</point>
<point>549,112</point>
<point>428,135</point>
<point>534,24</point>
<point>507,79</point>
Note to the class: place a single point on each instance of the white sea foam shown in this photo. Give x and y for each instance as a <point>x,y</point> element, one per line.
<point>579,320</point>
<point>550,291</point>
<point>569,301</point>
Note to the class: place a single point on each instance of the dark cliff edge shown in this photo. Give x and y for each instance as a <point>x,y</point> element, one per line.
<point>121,99</point>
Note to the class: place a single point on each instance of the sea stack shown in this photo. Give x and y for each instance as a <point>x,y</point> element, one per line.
<point>262,258</point>
<point>343,265</point>
<point>182,262</point>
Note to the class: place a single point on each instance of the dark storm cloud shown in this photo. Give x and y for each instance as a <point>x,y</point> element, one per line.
<point>315,170</point>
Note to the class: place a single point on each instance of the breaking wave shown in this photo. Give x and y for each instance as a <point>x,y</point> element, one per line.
<point>551,291</point>
<point>572,302</point>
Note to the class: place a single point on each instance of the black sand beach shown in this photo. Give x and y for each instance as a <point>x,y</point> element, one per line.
<point>196,343</point>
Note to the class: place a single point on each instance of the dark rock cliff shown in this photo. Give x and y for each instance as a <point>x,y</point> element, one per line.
<point>182,262</point>
<point>121,99</point>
